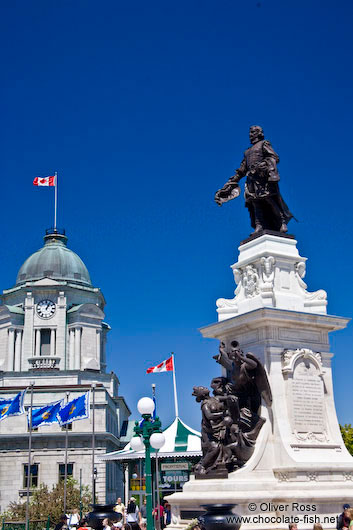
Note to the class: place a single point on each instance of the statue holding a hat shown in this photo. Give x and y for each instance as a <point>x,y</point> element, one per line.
<point>267,209</point>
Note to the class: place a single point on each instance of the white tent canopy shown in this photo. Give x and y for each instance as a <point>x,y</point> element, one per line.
<point>180,441</point>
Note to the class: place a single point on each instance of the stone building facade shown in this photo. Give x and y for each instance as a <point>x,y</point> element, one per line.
<point>52,332</point>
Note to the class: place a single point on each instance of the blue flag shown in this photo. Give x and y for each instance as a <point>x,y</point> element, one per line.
<point>46,415</point>
<point>13,406</point>
<point>77,409</point>
<point>154,413</point>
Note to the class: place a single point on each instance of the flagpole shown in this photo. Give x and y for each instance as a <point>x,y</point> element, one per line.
<point>175,390</point>
<point>158,518</point>
<point>93,386</point>
<point>66,448</point>
<point>29,456</point>
<point>56,198</point>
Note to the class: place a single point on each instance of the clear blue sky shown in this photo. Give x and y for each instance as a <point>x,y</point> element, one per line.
<point>143,108</point>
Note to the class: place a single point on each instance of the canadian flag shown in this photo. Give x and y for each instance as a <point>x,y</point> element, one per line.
<point>165,366</point>
<point>44,181</point>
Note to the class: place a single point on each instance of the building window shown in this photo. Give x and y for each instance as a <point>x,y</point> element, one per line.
<point>34,476</point>
<point>124,428</point>
<point>45,342</point>
<point>70,471</point>
<point>69,427</point>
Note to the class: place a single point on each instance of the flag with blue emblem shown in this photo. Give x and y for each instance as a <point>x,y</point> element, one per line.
<point>46,415</point>
<point>13,406</point>
<point>77,409</point>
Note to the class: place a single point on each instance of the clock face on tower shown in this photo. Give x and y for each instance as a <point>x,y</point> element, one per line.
<point>46,308</point>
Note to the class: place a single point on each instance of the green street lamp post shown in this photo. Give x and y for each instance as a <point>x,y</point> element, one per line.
<point>147,435</point>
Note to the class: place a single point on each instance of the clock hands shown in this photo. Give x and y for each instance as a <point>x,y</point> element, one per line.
<point>45,308</point>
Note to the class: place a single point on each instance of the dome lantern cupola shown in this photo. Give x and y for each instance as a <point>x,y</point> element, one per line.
<point>54,261</point>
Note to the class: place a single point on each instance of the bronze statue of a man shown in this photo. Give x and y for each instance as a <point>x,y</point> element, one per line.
<point>262,196</point>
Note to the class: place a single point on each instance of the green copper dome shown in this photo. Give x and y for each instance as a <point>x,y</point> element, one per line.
<point>54,261</point>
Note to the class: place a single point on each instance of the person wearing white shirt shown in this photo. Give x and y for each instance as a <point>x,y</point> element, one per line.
<point>73,519</point>
<point>133,516</point>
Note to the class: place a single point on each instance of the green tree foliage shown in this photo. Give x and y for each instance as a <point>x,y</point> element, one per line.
<point>44,503</point>
<point>347,435</point>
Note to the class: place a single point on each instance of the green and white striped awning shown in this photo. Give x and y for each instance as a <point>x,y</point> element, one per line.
<point>180,441</point>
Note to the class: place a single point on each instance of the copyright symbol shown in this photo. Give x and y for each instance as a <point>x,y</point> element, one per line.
<point>252,506</point>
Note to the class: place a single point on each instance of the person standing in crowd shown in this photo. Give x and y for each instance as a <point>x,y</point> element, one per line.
<point>161,517</point>
<point>350,515</point>
<point>107,523</point>
<point>73,519</point>
<point>62,523</point>
<point>83,524</point>
<point>167,513</point>
<point>317,526</point>
<point>133,516</point>
<point>143,512</point>
<point>120,508</point>
<point>343,520</point>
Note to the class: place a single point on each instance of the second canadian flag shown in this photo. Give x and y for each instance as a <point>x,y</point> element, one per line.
<point>165,366</point>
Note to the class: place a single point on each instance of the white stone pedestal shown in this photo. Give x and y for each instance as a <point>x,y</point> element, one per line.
<point>269,273</point>
<point>300,467</point>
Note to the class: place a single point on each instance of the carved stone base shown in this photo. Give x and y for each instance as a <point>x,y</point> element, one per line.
<point>269,273</point>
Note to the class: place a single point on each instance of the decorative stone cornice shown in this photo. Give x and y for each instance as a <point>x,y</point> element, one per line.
<point>266,316</point>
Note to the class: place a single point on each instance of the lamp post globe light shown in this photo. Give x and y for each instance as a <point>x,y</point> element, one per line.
<point>137,443</point>
<point>147,435</point>
<point>145,405</point>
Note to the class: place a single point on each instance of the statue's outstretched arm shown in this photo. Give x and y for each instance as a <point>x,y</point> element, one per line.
<point>223,194</point>
<point>250,363</point>
<point>240,172</point>
<point>222,358</point>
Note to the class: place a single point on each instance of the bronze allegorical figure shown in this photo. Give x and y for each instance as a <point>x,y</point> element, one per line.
<point>230,418</point>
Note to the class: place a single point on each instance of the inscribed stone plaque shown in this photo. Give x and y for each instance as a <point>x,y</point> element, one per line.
<point>307,398</point>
